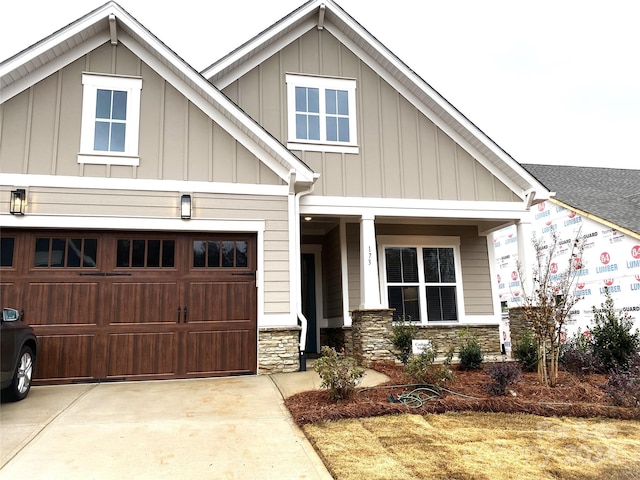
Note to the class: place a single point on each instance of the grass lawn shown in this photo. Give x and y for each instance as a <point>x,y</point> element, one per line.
<point>466,446</point>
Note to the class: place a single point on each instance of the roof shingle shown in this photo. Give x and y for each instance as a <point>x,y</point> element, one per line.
<point>609,193</point>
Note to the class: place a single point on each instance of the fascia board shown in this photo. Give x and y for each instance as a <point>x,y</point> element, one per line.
<point>232,112</point>
<point>140,184</point>
<point>59,37</point>
<point>394,207</point>
<point>216,107</point>
<point>519,189</point>
<point>53,66</point>
<point>598,219</point>
<point>101,222</point>
<point>260,39</point>
<point>244,67</point>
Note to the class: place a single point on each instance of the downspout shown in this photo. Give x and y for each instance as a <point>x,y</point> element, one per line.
<point>298,266</point>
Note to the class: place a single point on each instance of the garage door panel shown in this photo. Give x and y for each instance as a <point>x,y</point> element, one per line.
<point>220,352</point>
<point>10,295</point>
<point>221,301</point>
<point>141,354</point>
<point>62,303</point>
<point>145,303</point>
<point>64,357</point>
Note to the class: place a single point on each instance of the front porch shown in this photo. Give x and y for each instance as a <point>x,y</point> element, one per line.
<point>358,275</point>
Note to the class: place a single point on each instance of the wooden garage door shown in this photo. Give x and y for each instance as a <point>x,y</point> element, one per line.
<point>123,306</point>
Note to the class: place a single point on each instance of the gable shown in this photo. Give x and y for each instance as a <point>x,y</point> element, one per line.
<point>325,16</point>
<point>111,28</point>
<point>177,140</point>
<point>402,153</point>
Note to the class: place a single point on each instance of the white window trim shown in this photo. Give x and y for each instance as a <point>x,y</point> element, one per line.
<point>322,83</point>
<point>418,242</point>
<point>91,83</point>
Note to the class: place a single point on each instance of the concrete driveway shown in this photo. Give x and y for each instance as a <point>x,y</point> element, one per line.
<point>182,429</point>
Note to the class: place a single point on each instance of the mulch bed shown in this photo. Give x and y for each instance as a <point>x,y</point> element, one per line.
<point>573,396</point>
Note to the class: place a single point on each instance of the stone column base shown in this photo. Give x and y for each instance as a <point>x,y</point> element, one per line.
<point>278,350</point>
<point>371,336</point>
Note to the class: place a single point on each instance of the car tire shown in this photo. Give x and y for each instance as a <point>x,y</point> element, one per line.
<point>21,382</point>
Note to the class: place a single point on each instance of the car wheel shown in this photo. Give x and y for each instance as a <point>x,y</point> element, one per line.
<point>21,383</point>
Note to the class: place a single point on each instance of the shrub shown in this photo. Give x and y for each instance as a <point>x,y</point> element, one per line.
<point>470,353</point>
<point>339,373</point>
<point>525,352</point>
<point>577,357</point>
<point>613,341</point>
<point>504,375</point>
<point>624,386</point>
<point>420,368</point>
<point>404,332</point>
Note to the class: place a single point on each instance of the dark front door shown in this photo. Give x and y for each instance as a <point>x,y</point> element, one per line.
<point>309,300</point>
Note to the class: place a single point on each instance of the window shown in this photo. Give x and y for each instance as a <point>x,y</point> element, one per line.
<point>219,253</point>
<point>142,253</point>
<point>6,251</point>
<point>322,113</point>
<point>422,282</point>
<point>110,119</point>
<point>65,252</point>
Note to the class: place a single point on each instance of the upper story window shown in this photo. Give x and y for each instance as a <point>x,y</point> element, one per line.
<point>110,119</point>
<point>321,114</point>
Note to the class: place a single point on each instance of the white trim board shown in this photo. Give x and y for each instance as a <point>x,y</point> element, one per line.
<point>103,183</point>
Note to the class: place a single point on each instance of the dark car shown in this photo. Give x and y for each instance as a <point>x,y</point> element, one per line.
<point>18,346</point>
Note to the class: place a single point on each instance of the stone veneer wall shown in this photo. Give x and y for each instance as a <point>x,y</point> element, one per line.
<point>443,337</point>
<point>518,324</point>
<point>371,335</point>
<point>278,349</point>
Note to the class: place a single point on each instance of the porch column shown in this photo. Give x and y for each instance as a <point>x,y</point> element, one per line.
<point>524,231</point>
<point>369,278</point>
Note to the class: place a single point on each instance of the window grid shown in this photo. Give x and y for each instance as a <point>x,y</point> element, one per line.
<point>322,113</point>
<point>425,288</point>
<point>220,254</point>
<point>65,252</point>
<point>111,121</point>
<point>7,247</point>
<point>144,253</point>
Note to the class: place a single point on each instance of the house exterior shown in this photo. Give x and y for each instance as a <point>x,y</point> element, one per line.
<point>307,188</point>
<point>600,206</point>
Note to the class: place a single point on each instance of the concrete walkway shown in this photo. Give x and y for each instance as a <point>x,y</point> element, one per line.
<point>219,428</point>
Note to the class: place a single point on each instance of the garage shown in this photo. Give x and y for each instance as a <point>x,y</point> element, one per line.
<point>109,306</point>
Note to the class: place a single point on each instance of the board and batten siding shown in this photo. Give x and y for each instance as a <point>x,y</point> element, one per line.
<point>402,153</point>
<point>40,130</point>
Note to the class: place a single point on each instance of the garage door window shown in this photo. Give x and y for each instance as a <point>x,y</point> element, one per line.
<point>142,253</point>
<point>219,254</point>
<point>6,251</point>
<point>66,252</point>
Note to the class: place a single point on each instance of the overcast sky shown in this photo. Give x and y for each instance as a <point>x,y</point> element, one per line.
<point>550,81</point>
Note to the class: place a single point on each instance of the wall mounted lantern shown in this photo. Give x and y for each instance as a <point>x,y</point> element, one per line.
<point>185,206</point>
<point>18,201</point>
